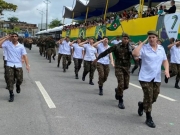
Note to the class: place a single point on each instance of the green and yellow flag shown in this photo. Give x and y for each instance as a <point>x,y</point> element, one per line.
<point>115,24</point>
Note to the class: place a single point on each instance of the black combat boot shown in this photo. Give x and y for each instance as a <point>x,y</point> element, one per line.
<point>100,90</point>
<point>76,76</point>
<point>58,65</point>
<point>11,96</point>
<point>54,57</point>
<point>91,82</point>
<point>67,67</point>
<point>18,89</point>
<point>166,79</point>
<point>176,85</point>
<point>121,104</point>
<point>116,97</point>
<point>149,120</point>
<point>64,70</point>
<point>140,109</point>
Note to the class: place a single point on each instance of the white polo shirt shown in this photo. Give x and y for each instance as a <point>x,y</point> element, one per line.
<point>66,48</point>
<point>60,49</point>
<point>4,53</point>
<point>78,51</point>
<point>151,63</point>
<point>115,42</point>
<point>14,54</point>
<point>90,52</point>
<point>175,54</point>
<point>101,48</point>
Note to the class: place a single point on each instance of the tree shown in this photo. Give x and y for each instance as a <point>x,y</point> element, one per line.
<point>16,29</point>
<point>55,23</point>
<point>7,6</point>
<point>13,19</point>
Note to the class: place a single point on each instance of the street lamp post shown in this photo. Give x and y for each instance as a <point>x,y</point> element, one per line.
<point>41,12</point>
<point>47,2</point>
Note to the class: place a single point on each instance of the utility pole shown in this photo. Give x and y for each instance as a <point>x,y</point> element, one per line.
<point>41,12</point>
<point>47,2</point>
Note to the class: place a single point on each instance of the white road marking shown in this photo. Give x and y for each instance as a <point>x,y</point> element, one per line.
<point>168,98</point>
<point>45,95</point>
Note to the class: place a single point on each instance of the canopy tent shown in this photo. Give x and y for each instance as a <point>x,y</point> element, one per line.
<point>99,7</point>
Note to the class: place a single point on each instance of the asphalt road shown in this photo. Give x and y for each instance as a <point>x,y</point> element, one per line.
<point>73,107</point>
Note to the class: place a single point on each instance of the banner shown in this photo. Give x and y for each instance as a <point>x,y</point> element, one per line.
<point>100,32</point>
<point>68,32</point>
<point>171,22</point>
<point>82,33</point>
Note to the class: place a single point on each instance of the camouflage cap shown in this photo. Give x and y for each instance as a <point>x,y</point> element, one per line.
<point>152,33</point>
<point>125,35</point>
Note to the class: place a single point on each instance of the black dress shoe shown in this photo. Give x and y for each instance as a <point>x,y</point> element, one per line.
<point>18,89</point>
<point>121,105</point>
<point>150,123</point>
<point>140,109</point>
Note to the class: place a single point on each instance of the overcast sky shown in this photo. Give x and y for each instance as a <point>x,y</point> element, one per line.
<point>27,10</point>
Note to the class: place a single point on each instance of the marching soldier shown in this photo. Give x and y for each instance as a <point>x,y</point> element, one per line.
<point>103,63</point>
<point>152,56</point>
<point>122,52</point>
<point>60,50</point>
<point>175,62</point>
<point>50,43</point>
<point>15,52</point>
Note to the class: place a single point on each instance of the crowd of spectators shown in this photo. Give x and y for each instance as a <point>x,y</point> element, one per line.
<point>124,16</point>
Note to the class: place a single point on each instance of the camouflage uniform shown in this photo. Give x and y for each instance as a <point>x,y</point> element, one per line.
<point>103,71</point>
<point>175,70</point>
<point>13,73</point>
<point>89,67</point>
<point>122,65</point>
<point>51,49</point>
<point>77,65</point>
<point>66,61</point>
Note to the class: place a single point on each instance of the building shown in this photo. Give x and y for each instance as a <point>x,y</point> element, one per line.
<point>23,26</point>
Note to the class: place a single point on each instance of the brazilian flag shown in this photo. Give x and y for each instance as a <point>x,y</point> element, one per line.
<point>115,24</point>
<point>100,32</point>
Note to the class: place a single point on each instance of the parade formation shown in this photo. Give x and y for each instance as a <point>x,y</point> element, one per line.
<point>101,54</point>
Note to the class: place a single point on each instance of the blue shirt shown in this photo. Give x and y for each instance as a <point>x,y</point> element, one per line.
<point>151,63</point>
<point>14,53</point>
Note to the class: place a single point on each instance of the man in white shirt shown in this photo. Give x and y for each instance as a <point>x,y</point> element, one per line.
<point>66,53</point>
<point>116,41</point>
<point>152,56</point>
<point>15,52</point>
<point>175,62</point>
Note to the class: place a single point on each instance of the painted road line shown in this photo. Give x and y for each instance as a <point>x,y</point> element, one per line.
<point>45,95</point>
<point>168,98</point>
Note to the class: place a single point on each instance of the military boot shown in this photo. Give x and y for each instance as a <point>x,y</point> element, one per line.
<point>116,97</point>
<point>18,89</point>
<point>91,82</point>
<point>176,85</point>
<point>140,109</point>
<point>121,104</point>
<point>11,99</point>
<point>100,90</point>
<point>149,120</point>
<point>76,76</point>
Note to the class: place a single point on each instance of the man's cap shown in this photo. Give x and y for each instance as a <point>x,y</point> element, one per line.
<point>152,33</point>
<point>160,39</point>
<point>125,35</point>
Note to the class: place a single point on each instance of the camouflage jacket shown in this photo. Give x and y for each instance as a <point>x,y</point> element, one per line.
<point>122,54</point>
<point>50,44</point>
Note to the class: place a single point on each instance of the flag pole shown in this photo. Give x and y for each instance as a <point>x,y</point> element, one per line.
<point>122,28</point>
<point>107,2</point>
<point>72,17</point>
<point>87,11</point>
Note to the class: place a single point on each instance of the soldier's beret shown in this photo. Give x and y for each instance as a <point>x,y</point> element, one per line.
<point>152,33</point>
<point>125,35</point>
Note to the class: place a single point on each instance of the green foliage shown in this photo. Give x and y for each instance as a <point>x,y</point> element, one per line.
<point>55,23</point>
<point>13,19</point>
<point>7,6</point>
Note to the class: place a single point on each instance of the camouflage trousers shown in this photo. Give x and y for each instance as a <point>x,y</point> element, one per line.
<point>66,60</point>
<point>175,70</point>
<point>41,50</point>
<point>151,91</point>
<point>50,52</point>
<point>13,73</point>
<point>59,57</point>
<point>77,65</point>
<point>103,72</point>
<point>89,68</point>
<point>122,75</point>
